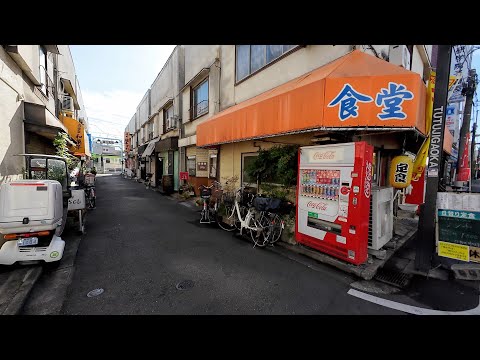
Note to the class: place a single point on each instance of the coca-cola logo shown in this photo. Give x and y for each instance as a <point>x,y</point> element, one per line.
<point>327,155</point>
<point>319,206</point>
<point>345,190</point>
<point>368,179</point>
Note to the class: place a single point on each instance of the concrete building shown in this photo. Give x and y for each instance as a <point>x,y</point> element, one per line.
<point>262,91</point>
<point>155,128</point>
<point>107,154</point>
<point>39,97</point>
<point>224,86</point>
<point>201,100</point>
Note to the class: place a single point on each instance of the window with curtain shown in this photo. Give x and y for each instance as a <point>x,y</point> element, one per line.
<point>252,58</point>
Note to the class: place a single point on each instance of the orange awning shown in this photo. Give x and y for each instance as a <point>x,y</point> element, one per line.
<point>379,94</point>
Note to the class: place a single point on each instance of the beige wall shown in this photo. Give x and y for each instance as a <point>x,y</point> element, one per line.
<point>168,83</point>
<point>198,57</point>
<point>291,66</point>
<point>11,119</point>
<point>144,109</point>
<point>231,154</point>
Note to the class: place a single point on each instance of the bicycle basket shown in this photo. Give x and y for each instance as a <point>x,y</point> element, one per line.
<point>205,192</point>
<point>267,204</point>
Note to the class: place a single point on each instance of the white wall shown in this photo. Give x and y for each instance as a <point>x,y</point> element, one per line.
<point>144,108</point>
<point>198,57</point>
<point>11,119</point>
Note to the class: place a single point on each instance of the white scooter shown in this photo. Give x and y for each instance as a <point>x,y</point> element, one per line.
<point>33,212</point>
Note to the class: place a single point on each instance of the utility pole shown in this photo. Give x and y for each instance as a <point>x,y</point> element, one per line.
<point>469,92</point>
<point>473,161</point>
<point>426,225</point>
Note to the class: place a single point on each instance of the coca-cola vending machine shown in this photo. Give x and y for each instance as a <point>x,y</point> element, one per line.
<point>333,199</point>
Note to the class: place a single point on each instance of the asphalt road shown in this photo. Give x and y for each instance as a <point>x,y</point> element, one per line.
<point>140,244</point>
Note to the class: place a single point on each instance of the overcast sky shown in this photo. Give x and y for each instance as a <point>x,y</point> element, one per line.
<point>113,80</point>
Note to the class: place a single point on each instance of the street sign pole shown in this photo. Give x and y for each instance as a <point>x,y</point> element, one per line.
<point>426,228</point>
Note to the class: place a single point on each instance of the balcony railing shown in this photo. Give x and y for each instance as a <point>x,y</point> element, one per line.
<point>198,109</point>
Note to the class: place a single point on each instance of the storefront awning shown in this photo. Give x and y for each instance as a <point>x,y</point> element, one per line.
<point>39,115</point>
<point>150,147</point>
<point>170,143</point>
<point>355,91</point>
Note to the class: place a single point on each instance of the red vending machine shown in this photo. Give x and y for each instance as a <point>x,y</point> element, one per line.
<point>333,199</point>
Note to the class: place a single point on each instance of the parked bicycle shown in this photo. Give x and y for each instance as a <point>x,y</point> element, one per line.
<point>242,215</point>
<point>90,197</point>
<point>210,195</point>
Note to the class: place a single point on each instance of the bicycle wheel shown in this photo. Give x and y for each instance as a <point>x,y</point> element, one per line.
<point>226,217</point>
<point>257,234</point>
<point>276,226</point>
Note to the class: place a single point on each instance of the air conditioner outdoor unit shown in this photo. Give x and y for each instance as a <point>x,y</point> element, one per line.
<point>380,226</point>
<point>400,55</point>
<point>67,103</point>
<point>171,122</point>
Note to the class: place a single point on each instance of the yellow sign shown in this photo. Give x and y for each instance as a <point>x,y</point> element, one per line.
<point>76,130</point>
<point>453,251</point>
<point>474,254</point>
<point>401,171</point>
<point>420,160</point>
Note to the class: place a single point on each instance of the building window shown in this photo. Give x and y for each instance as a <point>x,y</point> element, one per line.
<point>200,99</point>
<point>191,166</point>
<point>168,120</point>
<point>43,69</point>
<point>212,170</point>
<point>252,58</point>
<point>246,160</point>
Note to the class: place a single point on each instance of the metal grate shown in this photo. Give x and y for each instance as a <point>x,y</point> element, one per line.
<point>393,277</point>
<point>370,222</point>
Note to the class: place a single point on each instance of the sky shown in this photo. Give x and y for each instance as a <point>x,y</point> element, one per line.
<point>113,80</point>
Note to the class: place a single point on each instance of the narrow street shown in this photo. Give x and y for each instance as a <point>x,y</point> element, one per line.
<point>139,245</point>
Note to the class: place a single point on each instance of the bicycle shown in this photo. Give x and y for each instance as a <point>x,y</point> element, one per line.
<point>148,182</point>
<point>90,196</point>
<point>208,211</point>
<point>241,215</point>
<point>269,219</point>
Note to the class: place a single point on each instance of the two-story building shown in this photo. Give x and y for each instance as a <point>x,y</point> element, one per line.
<point>40,97</point>
<point>238,99</point>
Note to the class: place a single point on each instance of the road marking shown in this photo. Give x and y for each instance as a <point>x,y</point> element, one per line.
<point>409,308</point>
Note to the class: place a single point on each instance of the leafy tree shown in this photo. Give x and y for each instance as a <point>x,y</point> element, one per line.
<point>278,164</point>
<point>60,142</point>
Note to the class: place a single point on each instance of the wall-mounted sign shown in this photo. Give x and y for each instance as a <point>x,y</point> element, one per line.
<point>183,175</point>
<point>459,226</point>
<point>202,166</point>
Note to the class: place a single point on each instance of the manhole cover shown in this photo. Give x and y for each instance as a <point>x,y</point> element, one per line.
<point>393,277</point>
<point>185,284</point>
<point>95,292</point>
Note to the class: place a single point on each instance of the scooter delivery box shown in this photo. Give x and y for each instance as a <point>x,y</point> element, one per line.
<point>30,205</point>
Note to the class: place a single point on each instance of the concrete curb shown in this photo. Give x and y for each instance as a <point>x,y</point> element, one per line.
<point>22,290</point>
